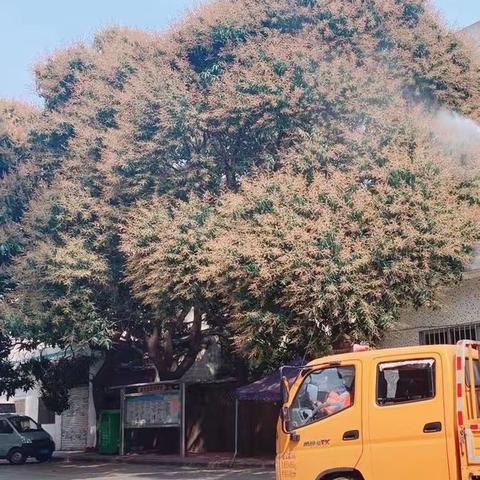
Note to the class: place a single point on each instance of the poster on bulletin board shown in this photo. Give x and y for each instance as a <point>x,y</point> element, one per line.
<point>153,409</point>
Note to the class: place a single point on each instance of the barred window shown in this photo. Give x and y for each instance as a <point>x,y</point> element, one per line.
<point>450,335</point>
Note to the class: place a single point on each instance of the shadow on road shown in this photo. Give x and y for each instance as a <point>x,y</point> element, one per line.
<point>94,471</point>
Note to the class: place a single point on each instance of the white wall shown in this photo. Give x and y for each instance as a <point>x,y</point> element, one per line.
<point>460,306</point>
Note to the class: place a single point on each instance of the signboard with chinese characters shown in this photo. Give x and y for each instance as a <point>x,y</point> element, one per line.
<point>154,408</point>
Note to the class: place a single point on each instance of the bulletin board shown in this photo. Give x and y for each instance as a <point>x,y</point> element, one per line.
<point>155,405</point>
<point>153,410</point>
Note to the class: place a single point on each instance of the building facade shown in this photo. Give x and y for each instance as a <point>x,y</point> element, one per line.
<point>458,317</point>
<point>473,31</point>
<point>68,430</point>
<point>76,428</point>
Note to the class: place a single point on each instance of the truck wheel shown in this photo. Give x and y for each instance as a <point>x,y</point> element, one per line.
<point>16,457</point>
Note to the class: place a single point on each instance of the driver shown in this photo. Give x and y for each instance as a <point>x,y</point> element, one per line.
<point>337,399</point>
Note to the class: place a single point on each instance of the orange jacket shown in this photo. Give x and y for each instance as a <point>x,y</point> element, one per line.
<point>338,400</point>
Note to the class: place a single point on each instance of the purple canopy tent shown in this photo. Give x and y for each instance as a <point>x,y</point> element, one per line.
<point>266,389</point>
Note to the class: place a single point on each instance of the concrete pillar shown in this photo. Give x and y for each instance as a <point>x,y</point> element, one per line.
<point>92,413</point>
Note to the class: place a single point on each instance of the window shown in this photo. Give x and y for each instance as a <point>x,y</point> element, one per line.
<point>45,416</point>
<point>24,424</point>
<point>450,335</point>
<point>323,393</point>
<point>408,381</point>
<point>7,408</point>
<point>476,373</point>
<point>5,427</point>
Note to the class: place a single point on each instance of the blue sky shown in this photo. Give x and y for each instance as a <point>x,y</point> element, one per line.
<point>31,29</point>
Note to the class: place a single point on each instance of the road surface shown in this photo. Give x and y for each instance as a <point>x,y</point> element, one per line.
<point>104,471</point>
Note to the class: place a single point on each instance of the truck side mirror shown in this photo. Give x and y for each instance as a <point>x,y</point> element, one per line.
<point>285,390</point>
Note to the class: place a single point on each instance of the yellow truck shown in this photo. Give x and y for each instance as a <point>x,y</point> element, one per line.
<point>398,414</point>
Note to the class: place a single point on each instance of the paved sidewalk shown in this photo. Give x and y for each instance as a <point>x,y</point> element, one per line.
<point>209,461</point>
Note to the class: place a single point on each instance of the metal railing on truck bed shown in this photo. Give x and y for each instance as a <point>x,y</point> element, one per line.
<point>468,396</point>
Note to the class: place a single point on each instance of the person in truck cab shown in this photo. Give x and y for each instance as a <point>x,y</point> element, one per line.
<point>338,399</point>
<point>323,395</point>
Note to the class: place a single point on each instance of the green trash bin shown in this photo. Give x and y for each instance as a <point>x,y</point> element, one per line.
<point>109,432</point>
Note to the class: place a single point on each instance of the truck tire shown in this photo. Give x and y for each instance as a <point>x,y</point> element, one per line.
<point>16,457</point>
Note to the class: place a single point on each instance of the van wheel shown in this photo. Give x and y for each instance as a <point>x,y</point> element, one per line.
<point>16,457</point>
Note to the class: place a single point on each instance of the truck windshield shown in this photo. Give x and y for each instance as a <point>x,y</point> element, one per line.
<point>323,393</point>
<point>24,424</point>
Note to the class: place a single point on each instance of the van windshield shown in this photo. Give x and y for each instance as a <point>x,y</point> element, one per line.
<point>25,424</point>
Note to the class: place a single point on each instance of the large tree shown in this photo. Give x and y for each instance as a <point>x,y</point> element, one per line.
<point>301,263</point>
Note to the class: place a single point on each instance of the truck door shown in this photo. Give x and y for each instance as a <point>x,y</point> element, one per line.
<point>407,438</point>
<point>324,428</point>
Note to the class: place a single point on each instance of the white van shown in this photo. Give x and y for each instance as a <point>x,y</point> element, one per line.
<point>21,437</point>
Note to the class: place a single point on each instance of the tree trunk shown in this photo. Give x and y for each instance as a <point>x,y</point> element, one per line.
<point>168,364</point>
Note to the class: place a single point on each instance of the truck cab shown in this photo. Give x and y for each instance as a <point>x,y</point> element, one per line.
<point>407,413</point>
